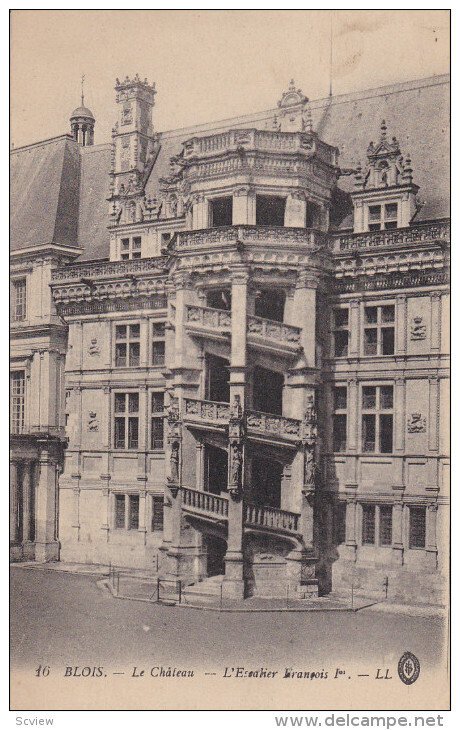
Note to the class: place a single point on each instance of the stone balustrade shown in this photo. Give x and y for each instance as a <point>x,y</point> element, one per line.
<point>417,234</point>
<point>269,329</point>
<point>206,317</point>
<point>256,235</point>
<point>204,502</point>
<point>206,410</point>
<point>233,140</point>
<point>270,424</point>
<point>271,518</point>
<point>76,272</point>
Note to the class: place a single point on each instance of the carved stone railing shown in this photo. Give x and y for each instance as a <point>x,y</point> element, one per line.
<point>206,411</point>
<point>204,503</point>
<point>270,424</point>
<point>263,235</point>
<point>208,318</point>
<point>420,233</point>
<point>271,518</point>
<point>255,139</point>
<point>108,268</point>
<point>269,329</point>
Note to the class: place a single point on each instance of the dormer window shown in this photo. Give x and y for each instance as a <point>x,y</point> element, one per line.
<point>383,217</point>
<point>130,248</point>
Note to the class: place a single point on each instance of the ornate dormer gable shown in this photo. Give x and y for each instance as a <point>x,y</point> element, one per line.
<point>293,114</point>
<point>134,149</point>
<point>384,194</point>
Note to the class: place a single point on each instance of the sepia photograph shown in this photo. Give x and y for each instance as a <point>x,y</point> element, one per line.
<point>229,360</point>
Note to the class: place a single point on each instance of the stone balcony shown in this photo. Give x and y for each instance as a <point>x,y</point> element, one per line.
<point>267,334</point>
<point>108,269</point>
<point>233,140</point>
<point>307,239</point>
<point>208,322</point>
<point>419,234</point>
<point>269,427</point>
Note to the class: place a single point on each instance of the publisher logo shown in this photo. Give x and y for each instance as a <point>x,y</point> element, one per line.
<point>408,668</point>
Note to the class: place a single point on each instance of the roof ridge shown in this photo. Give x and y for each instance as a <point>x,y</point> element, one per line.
<point>49,140</point>
<point>313,103</point>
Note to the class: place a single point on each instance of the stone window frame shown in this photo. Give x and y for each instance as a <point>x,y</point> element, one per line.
<point>130,248</point>
<point>18,401</point>
<point>126,523</point>
<point>130,342</point>
<point>158,337</point>
<point>156,415</point>
<point>382,220</point>
<point>412,510</point>
<point>128,415</point>
<point>377,509</point>
<point>19,299</point>
<point>377,411</point>
<point>340,328</point>
<point>339,411</point>
<point>380,326</point>
<point>155,521</point>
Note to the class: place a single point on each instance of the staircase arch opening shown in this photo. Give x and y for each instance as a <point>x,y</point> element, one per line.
<point>215,548</point>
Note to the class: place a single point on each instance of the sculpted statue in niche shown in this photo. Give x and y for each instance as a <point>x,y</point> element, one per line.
<point>174,462</point>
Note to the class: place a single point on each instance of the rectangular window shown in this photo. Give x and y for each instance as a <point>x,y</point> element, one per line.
<point>270,210</point>
<point>133,517</point>
<point>126,426</point>
<point>385,525</point>
<point>120,511</point>
<point>157,513</point>
<point>368,524</point>
<point>377,419</point>
<point>157,422</point>
<point>127,511</point>
<point>158,344</point>
<point>18,392</point>
<point>221,212</point>
<point>340,332</point>
<point>340,419</point>
<point>417,527</point>
<point>130,248</point>
<point>379,332</point>
<point>127,345</point>
<point>19,303</point>
<point>383,217</point>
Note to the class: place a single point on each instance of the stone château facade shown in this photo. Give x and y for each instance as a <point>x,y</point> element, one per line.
<point>237,335</point>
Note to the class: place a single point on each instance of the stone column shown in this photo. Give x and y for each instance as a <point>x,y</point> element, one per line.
<point>401,324</point>
<point>296,210</point>
<point>397,522</point>
<point>46,544</point>
<point>354,327</point>
<point>431,550</point>
<point>242,198</point>
<point>13,502</point>
<point>233,585</point>
<point>26,501</point>
<point>350,528</point>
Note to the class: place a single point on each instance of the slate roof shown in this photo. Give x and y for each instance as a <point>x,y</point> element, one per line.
<point>59,190</point>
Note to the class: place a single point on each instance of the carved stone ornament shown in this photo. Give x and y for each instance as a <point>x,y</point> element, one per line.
<point>94,348</point>
<point>416,423</point>
<point>93,421</point>
<point>310,468</point>
<point>418,329</point>
<point>174,463</point>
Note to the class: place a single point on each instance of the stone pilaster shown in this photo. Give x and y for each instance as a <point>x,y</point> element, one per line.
<point>13,502</point>
<point>46,544</point>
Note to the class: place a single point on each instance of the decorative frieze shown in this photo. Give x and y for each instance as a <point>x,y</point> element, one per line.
<point>393,280</point>
<point>271,330</point>
<point>273,425</point>
<point>250,234</point>
<point>207,317</point>
<point>111,268</point>
<point>207,410</point>
<point>116,305</point>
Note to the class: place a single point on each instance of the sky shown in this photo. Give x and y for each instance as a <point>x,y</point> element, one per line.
<point>208,65</point>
